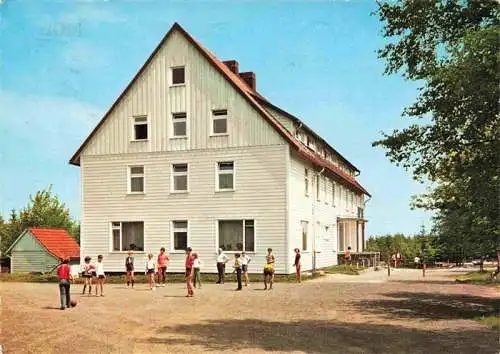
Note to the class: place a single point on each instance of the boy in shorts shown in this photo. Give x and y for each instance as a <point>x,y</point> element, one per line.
<point>245,260</point>
<point>100,275</point>
<point>269,269</point>
<point>150,271</point>
<point>129,268</point>
<point>87,270</point>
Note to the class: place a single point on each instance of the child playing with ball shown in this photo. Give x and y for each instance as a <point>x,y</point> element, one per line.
<point>65,277</point>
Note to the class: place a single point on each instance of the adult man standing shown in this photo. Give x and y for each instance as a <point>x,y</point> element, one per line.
<point>221,265</point>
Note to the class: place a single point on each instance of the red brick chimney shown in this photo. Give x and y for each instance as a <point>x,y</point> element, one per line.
<point>249,78</point>
<point>232,65</point>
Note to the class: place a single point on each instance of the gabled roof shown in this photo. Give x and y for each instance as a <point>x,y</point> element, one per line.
<point>253,98</point>
<point>58,242</point>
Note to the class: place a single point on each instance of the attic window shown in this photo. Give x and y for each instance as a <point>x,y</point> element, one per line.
<point>219,121</point>
<point>141,128</point>
<point>178,76</point>
<point>179,124</point>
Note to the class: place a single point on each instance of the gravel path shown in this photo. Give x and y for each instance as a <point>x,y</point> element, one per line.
<point>402,315</point>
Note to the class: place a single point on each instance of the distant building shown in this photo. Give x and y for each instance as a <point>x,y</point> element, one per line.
<point>41,249</point>
<point>190,154</point>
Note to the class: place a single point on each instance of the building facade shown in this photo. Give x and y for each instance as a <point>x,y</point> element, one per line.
<point>191,154</point>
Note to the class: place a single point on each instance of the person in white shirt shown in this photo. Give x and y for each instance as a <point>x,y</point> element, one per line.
<point>100,275</point>
<point>197,267</point>
<point>221,265</point>
<point>417,261</point>
<point>245,260</point>
<point>150,271</point>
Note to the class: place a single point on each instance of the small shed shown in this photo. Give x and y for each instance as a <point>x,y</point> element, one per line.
<point>40,250</point>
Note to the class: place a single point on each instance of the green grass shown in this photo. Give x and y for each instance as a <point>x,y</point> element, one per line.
<point>343,269</point>
<point>492,321</point>
<point>478,278</point>
<point>141,278</point>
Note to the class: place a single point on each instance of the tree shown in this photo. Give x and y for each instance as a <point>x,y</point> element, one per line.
<point>43,210</point>
<point>452,48</point>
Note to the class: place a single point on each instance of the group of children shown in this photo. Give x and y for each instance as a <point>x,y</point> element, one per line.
<point>94,273</point>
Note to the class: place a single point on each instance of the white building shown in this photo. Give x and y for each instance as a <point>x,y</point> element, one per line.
<point>190,154</point>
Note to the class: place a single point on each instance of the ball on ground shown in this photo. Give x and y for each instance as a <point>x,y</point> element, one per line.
<point>73,303</point>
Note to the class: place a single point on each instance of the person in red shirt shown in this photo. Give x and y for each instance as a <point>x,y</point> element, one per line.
<point>162,263</point>
<point>64,275</point>
<point>189,272</point>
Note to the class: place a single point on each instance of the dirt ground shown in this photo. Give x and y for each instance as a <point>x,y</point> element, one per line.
<point>337,314</point>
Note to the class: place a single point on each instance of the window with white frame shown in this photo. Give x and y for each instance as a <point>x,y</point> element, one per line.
<point>178,75</point>
<point>317,188</point>
<point>127,235</point>
<point>136,179</point>
<point>325,190</point>
<point>179,124</point>
<point>219,121</point>
<point>306,181</point>
<point>180,177</point>
<point>140,128</point>
<point>304,225</point>
<point>225,176</point>
<point>333,193</point>
<point>237,235</point>
<point>180,235</point>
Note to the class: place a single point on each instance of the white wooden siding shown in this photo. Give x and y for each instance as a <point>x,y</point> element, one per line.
<point>301,208</point>
<point>29,256</point>
<point>282,119</point>
<point>205,89</point>
<point>260,195</point>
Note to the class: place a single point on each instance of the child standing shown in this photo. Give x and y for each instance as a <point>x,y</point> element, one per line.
<point>245,260</point>
<point>64,275</point>
<point>129,268</point>
<point>189,272</point>
<point>237,269</point>
<point>162,266</point>
<point>197,268</point>
<point>150,271</point>
<point>87,270</point>
<point>100,275</point>
<point>297,265</point>
<point>269,269</point>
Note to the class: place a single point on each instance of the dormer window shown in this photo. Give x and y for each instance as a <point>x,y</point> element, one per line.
<point>140,128</point>
<point>178,76</point>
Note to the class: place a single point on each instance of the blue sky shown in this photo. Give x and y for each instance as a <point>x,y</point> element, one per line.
<point>64,63</point>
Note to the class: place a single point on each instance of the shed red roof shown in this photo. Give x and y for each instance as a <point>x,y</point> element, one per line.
<point>58,242</point>
<point>254,98</point>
